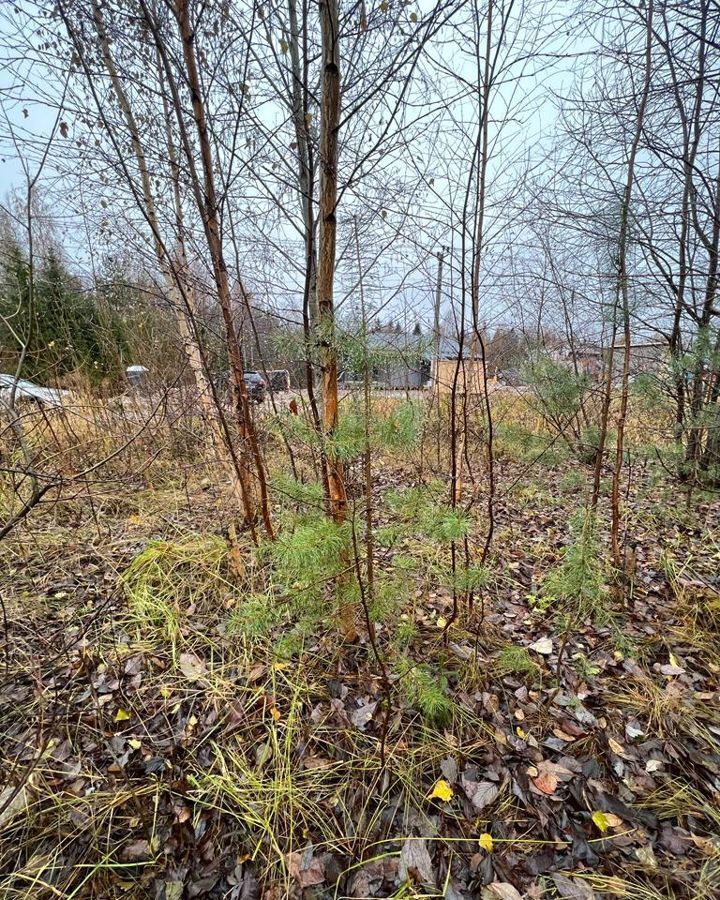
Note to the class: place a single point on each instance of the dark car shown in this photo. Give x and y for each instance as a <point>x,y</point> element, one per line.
<point>256,386</point>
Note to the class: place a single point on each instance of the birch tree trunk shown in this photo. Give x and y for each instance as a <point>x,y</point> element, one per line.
<point>329,122</point>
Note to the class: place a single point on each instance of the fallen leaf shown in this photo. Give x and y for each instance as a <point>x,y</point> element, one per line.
<point>486,842</point>
<point>573,888</point>
<point>316,762</point>
<point>500,890</point>
<point>367,880</point>
<point>646,855</point>
<point>361,716</point>
<point>479,793</point>
<point>9,808</point>
<point>256,672</point>
<point>562,773</point>
<point>308,870</point>
<point>674,840</point>
<point>415,862</point>
<point>136,851</point>
<point>441,791</point>
<point>173,890</point>
<point>122,715</point>
<point>202,887</point>
<point>546,782</point>
<point>672,670</point>
<point>543,646</point>
<point>449,768</point>
<point>192,667</point>
<point>633,730</point>
<point>134,665</point>
<point>263,753</point>
<point>605,820</point>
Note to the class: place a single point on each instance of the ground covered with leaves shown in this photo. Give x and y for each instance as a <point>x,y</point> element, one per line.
<point>170,730</point>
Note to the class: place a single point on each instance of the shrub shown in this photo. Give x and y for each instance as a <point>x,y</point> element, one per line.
<point>578,582</point>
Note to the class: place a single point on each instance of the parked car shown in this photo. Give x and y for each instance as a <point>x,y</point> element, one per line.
<point>26,391</point>
<point>256,386</point>
<point>279,380</point>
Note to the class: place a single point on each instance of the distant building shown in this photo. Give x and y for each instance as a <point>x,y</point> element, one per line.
<point>399,360</point>
<point>586,357</point>
<point>646,358</point>
<point>591,359</point>
<point>453,367</point>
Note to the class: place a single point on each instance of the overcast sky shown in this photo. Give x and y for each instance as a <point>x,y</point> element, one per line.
<point>402,278</point>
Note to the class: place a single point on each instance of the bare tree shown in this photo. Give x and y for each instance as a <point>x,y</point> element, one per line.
<point>327,212</point>
<point>247,465</point>
<point>623,292</point>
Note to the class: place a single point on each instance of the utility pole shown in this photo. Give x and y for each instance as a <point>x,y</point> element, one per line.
<point>438,297</point>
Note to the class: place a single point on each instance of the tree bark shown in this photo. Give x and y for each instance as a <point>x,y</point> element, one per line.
<point>306,184</point>
<point>211,223</point>
<point>329,122</point>
<point>624,294</point>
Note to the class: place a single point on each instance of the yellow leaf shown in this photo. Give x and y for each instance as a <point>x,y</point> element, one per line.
<point>605,820</point>
<point>441,791</point>
<point>135,744</point>
<point>486,842</point>
<point>441,622</point>
<point>122,715</point>
<point>520,733</point>
<point>275,713</point>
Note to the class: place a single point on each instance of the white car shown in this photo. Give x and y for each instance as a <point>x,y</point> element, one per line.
<point>27,390</point>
